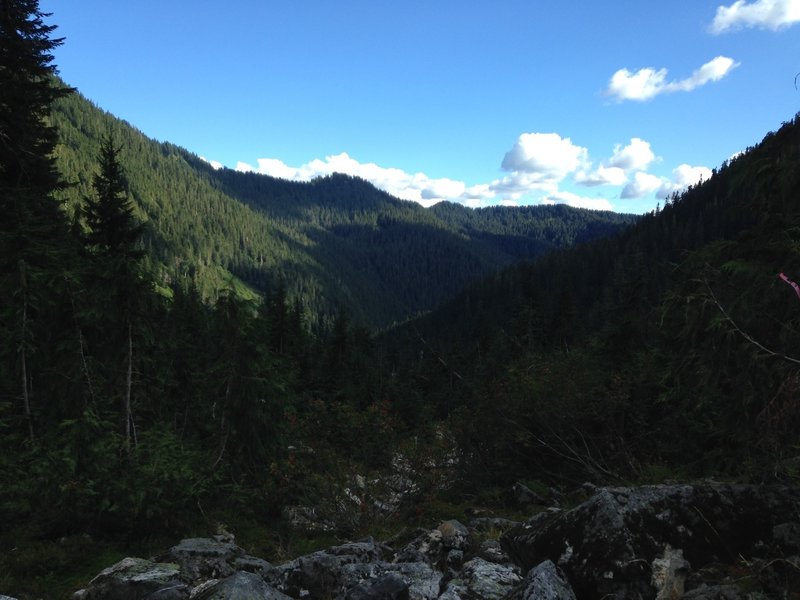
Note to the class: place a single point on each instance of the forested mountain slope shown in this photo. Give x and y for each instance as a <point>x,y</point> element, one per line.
<point>131,406</point>
<point>336,242</point>
<point>671,347</point>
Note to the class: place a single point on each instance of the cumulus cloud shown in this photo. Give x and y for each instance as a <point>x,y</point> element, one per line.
<point>538,167</point>
<point>516,184</point>
<point>637,155</point>
<point>535,165</point>
<point>642,184</point>
<point>646,184</point>
<point>602,176</point>
<point>647,83</point>
<point>682,177</point>
<point>417,187</point>
<point>544,157</point>
<point>764,14</point>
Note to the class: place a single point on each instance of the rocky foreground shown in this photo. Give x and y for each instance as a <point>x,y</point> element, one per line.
<point>709,541</point>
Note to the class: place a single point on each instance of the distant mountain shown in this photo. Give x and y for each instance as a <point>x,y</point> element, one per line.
<point>335,242</point>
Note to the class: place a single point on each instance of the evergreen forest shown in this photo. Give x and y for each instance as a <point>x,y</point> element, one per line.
<point>335,242</point>
<point>181,345</point>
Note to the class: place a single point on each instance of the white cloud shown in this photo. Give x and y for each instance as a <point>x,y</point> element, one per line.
<point>602,176</point>
<point>648,83</point>
<point>538,165</point>
<point>417,187</point>
<point>643,184</point>
<point>443,188</point>
<point>544,157</point>
<point>518,183</point>
<point>647,184</point>
<point>636,156</point>
<point>685,175</point>
<point>641,85</point>
<point>764,14</point>
<point>215,164</point>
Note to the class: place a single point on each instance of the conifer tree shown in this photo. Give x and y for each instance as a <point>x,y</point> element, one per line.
<point>34,236</point>
<point>112,238</point>
<point>113,227</point>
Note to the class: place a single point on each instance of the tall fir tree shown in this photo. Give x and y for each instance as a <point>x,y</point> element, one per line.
<point>113,241</point>
<point>113,230</point>
<point>34,236</point>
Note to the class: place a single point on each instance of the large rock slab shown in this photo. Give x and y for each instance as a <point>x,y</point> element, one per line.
<point>607,545</point>
<point>204,558</point>
<point>136,579</point>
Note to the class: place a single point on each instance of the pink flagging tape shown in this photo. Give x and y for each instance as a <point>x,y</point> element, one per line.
<point>791,283</point>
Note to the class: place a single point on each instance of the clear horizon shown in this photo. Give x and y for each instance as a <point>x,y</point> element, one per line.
<point>610,106</point>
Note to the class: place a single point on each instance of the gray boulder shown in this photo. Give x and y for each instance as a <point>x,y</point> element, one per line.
<point>715,592</point>
<point>455,535</point>
<point>239,586</point>
<point>492,551</point>
<point>322,574</point>
<point>136,579</point>
<point>480,579</point>
<point>544,582</point>
<point>427,547</point>
<point>607,545</point>
<point>423,581</point>
<point>253,564</point>
<point>387,587</point>
<point>204,558</point>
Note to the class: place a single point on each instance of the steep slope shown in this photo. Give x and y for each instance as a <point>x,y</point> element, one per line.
<point>670,347</point>
<point>336,242</point>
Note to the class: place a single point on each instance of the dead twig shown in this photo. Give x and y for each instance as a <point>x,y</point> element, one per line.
<point>744,334</point>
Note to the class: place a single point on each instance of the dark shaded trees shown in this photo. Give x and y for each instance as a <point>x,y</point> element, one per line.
<point>120,286</point>
<point>34,240</point>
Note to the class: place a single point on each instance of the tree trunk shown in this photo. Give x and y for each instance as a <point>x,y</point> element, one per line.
<point>81,349</point>
<point>26,400</point>
<point>128,385</point>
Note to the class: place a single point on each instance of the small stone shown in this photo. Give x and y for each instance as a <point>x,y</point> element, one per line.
<point>669,574</point>
<point>545,582</point>
<point>455,536</point>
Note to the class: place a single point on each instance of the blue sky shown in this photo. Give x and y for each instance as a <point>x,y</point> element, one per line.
<point>607,105</point>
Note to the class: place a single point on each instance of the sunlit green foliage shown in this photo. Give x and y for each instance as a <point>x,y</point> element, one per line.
<point>330,243</point>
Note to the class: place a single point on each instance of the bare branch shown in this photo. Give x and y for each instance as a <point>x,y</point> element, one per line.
<point>744,334</point>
